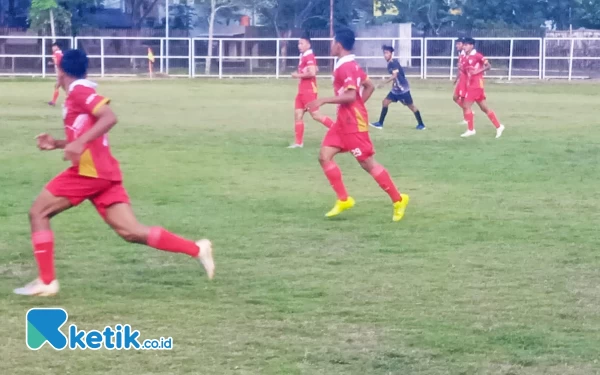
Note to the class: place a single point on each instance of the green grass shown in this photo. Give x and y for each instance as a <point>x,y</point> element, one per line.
<point>494,270</point>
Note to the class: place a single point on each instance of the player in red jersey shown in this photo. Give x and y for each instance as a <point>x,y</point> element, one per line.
<point>350,133</point>
<point>94,175</point>
<point>475,64</point>
<point>460,83</point>
<point>307,90</point>
<point>57,56</point>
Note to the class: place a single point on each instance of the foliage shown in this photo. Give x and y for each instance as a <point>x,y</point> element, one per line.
<point>41,12</point>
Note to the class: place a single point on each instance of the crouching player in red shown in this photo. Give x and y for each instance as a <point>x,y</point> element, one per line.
<point>307,91</point>
<point>95,175</point>
<point>475,64</point>
<point>350,133</point>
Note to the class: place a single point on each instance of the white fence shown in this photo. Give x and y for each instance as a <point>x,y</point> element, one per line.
<point>511,58</point>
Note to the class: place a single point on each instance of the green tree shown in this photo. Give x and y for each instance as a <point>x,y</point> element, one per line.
<point>47,15</point>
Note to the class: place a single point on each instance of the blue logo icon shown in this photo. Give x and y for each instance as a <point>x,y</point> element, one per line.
<point>43,325</point>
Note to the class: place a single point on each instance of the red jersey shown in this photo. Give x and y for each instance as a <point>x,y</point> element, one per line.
<point>79,111</point>
<point>347,75</point>
<point>474,61</point>
<point>462,73</point>
<point>307,84</point>
<point>57,58</point>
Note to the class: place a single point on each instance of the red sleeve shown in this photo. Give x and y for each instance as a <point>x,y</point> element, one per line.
<point>88,100</point>
<point>481,58</point>
<point>347,74</point>
<point>310,60</point>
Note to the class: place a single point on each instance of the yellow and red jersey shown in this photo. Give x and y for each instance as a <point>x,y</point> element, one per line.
<point>307,84</point>
<point>347,75</point>
<point>79,114</point>
<point>57,58</point>
<point>474,61</point>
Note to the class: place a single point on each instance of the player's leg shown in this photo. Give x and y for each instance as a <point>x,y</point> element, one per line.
<point>55,94</point>
<point>122,220</point>
<point>332,145</point>
<point>384,180</point>
<point>45,206</point>
<point>407,100</point>
<point>319,117</point>
<point>384,111</point>
<point>492,116</point>
<point>298,124</point>
<point>468,115</point>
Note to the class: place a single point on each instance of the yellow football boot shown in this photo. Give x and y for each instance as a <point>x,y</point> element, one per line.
<point>341,206</point>
<point>400,207</point>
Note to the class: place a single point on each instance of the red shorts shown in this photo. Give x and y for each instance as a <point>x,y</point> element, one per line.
<point>303,98</point>
<point>460,91</point>
<point>475,95</point>
<point>359,144</point>
<point>102,193</point>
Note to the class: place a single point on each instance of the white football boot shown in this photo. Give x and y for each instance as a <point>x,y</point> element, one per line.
<point>468,133</point>
<point>38,288</point>
<point>205,256</point>
<point>499,131</point>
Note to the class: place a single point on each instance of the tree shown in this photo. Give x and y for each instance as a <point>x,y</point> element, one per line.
<point>44,14</point>
<point>213,7</point>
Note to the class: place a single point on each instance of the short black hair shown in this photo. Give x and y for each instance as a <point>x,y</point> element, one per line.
<point>460,39</point>
<point>346,38</point>
<point>55,44</point>
<point>306,36</point>
<point>75,63</point>
<point>469,40</point>
<point>387,48</point>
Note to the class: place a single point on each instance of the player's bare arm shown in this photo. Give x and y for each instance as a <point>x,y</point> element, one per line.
<point>486,66</point>
<point>309,72</point>
<point>105,120</point>
<point>368,89</point>
<point>391,78</point>
<point>46,142</point>
<point>347,97</point>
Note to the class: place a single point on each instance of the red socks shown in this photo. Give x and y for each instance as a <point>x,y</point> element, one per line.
<point>328,122</point>
<point>299,128</point>
<point>162,239</point>
<point>381,175</point>
<point>334,175</point>
<point>55,96</point>
<point>469,119</point>
<point>43,251</point>
<point>493,119</point>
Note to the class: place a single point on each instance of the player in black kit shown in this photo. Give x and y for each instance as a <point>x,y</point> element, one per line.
<point>400,90</point>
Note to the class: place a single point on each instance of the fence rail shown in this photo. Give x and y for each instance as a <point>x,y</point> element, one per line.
<point>511,58</point>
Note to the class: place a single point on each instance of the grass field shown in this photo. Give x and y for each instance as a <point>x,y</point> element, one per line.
<point>494,270</point>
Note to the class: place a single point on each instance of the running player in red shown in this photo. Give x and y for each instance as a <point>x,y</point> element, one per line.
<point>57,56</point>
<point>350,133</point>
<point>94,175</point>
<point>475,64</point>
<point>307,91</point>
<point>460,83</point>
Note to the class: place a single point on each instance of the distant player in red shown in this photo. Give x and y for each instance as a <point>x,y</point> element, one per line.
<point>475,64</point>
<point>94,175</point>
<point>57,56</point>
<point>350,133</point>
<point>460,83</point>
<point>307,91</point>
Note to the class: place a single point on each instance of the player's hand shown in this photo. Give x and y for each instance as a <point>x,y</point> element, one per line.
<point>314,105</point>
<point>295,75</point>
<point>73,151</point>
<point>45,142</point>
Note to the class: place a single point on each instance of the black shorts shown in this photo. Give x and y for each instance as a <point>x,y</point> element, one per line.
<point>405,98</point>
